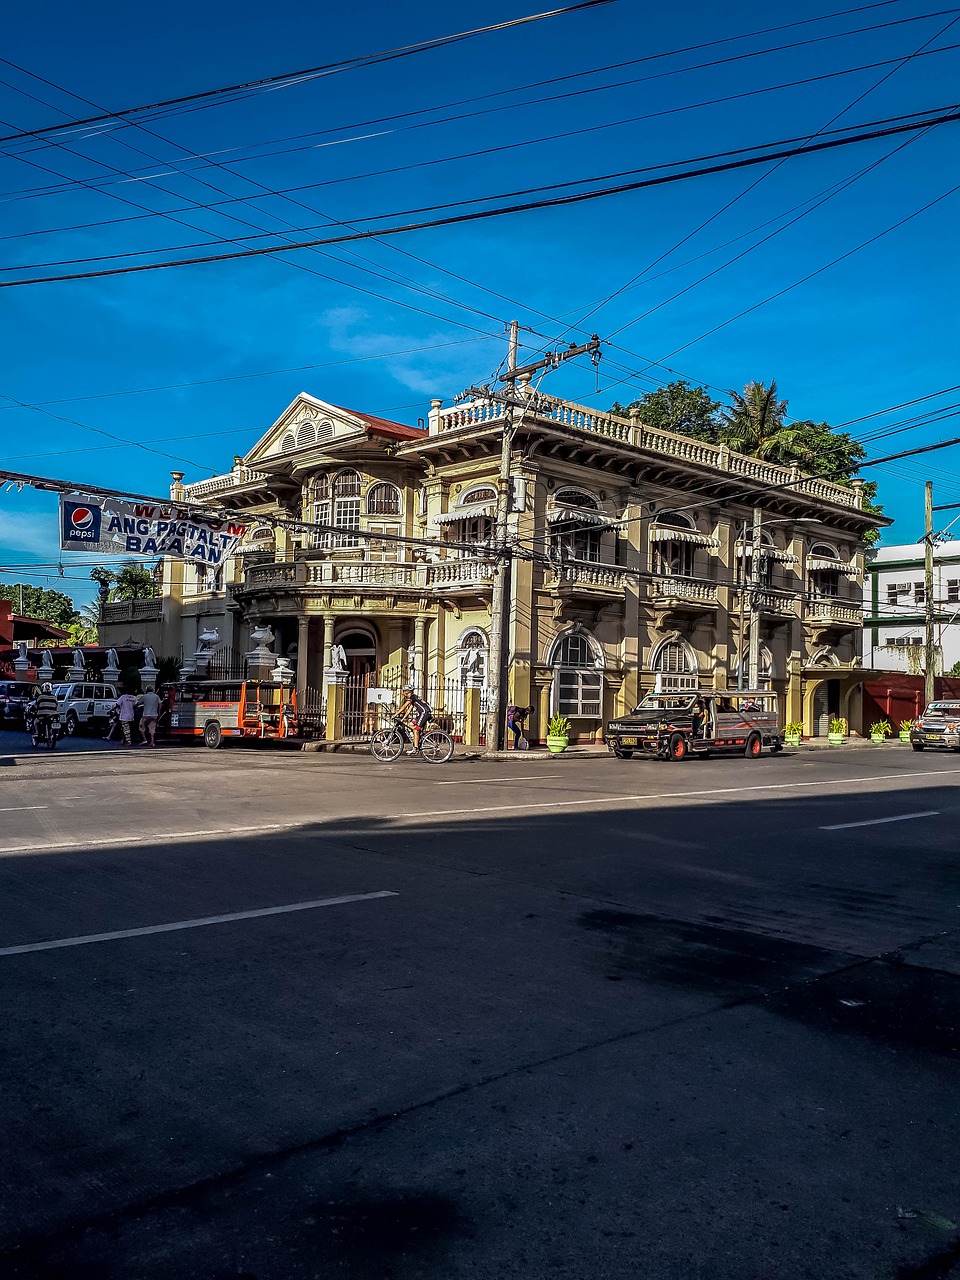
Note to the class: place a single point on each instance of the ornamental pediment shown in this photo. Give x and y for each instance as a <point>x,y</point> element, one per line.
<point>305,424</point>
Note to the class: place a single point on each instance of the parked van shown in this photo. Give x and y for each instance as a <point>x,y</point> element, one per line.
<point>84,706</point>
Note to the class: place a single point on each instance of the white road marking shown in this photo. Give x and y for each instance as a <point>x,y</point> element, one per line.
<point>85,939</point>
<point>876,822</point>
<point>675,795</point>
<point>496,782</point>
<point>80,843</point>
<point>19,808</point>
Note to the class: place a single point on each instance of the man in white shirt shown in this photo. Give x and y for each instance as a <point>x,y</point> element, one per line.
<point>150,702</point>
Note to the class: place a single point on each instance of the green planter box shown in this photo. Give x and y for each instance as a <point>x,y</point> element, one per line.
<point>557,745</point>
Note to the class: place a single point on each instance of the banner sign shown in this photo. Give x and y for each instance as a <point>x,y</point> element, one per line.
<point>120,527</point>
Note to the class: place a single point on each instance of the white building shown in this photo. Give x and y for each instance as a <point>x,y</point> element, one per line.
<point>894,608</point>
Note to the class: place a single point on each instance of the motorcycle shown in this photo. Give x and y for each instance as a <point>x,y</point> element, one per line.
<point>45,732</point>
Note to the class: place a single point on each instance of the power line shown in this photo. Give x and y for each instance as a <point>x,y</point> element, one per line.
<point>477,215</point>
<point>329,68</point>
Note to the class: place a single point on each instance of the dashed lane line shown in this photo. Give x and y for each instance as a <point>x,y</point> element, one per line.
<point>20,808</point>
<point>878,822</point>
<point>85,939</point>
<point>80,843</point>
<point>674,795</point>
<point>496,782</point>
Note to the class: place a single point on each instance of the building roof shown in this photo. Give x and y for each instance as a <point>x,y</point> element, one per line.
<point>384,427</point>
<point>910,552</point>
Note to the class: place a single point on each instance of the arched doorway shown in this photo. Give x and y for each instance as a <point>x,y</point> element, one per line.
<point>360,648</point>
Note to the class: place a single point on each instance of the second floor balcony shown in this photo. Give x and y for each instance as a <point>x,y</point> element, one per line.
<point>306,575</point>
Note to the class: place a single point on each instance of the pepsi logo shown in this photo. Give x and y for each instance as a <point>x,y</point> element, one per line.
<point>81,518</point>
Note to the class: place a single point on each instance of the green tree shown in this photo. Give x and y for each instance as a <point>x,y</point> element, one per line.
<point>134,581</point>
<point>84,629</point>
<point>677,407</point>
<point>755,423</point>
<point>39,602</point>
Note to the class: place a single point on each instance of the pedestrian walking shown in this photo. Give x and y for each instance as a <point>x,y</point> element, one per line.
<point>150,702</point>
<point>126,706</point>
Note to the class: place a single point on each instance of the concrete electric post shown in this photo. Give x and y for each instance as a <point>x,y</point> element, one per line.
<point>929,652</point>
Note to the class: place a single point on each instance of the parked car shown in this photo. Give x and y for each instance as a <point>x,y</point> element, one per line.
<point>14,696</point>
<point>939,726</point>
<point>84,706</point>
<point>667,725</point>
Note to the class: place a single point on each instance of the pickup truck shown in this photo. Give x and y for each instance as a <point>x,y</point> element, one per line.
<point>939,726</point>
<point>704,722</point>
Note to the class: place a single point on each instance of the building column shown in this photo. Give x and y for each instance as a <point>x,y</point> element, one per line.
<point>419,630</point>
<point>303,642</point>
<point>328,621</point>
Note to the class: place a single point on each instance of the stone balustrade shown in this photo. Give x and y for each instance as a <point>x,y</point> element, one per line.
<point>835,611</point>
<point>683,589</point>
<point>141,609</point>
<point>479,413</point>
<point>603,577</point>
<point>224,483</point>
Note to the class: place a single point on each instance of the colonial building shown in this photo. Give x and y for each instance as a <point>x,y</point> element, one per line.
<point>632,566</point>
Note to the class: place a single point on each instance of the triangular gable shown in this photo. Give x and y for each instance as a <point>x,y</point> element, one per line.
<point>305,423</point>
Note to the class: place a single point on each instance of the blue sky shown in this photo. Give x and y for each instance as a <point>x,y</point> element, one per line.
<point>196,362</point>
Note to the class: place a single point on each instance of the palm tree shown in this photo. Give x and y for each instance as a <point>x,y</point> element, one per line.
<point>754,424</point>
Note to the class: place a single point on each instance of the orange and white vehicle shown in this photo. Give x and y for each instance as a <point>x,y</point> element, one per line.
<point>215,710</point>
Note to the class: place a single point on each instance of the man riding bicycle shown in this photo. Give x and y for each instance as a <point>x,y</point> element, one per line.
<point>42,712</point>
<point>414,712</point>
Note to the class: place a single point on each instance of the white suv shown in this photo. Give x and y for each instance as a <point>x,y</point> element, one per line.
<point>84,705</point>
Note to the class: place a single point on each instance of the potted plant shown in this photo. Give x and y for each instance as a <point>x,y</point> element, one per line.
<point>838,731</point>
<point>905,727</point>
<point>792,733</point>
<point>880,730</point>
<point>558,733</point>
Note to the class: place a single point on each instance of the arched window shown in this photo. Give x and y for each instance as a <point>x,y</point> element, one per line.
<point>765,673</point>
<point>573,538</point>
<point>306,434</point>
<point>673,556</point>
<point>675,665</point>
<point>484,493</point>
<point>823,564</point>
<point>472,650</point>
<point>383,500</point>
<point>289,442</point>
<point>346,507</point>
<point>577,682</point>
<point>324,430</point>
<point>321,512</point>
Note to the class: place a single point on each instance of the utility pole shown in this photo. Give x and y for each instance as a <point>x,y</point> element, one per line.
<point>929,662</point>
<point>754,601</point>
<point>500,603</point>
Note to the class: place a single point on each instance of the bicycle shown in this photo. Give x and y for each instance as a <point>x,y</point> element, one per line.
<point>387,745</point>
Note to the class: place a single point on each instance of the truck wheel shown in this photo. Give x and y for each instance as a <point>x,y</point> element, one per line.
<point>622,753</point>
<point>754,747</point>
<point>678,748</point>
<point>917,746</point>
<point>72,724</point>
<point>212,735</point>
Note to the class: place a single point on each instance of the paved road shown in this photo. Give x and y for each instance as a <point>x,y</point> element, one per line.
<point>535,1019</point>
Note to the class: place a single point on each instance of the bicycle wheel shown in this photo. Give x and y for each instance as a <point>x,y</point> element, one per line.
<point>436,746</point>
<point>386,745</point>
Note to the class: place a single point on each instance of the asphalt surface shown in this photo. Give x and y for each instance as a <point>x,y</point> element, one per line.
<point>516,1018</point>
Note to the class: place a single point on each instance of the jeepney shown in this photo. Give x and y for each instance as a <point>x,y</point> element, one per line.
<point>215,710</point>
<point>702,722</point>
<point>939,726</point>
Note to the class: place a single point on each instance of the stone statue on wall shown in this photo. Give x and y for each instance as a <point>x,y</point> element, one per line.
<point>46,665</point>
<point>209,637</point>
<point>113,661</point>
<point>149,658</point>
<point>338,658</point>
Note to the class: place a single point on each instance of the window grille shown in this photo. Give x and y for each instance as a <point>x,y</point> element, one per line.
<point>578,685</point>
<point>673,659</point>
<point>383,500</point>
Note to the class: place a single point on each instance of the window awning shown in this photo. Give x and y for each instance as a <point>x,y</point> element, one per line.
<point>579,515</point>
<point>772,553</point>
<point>466,513</point>
<point>838,566</point>
<point>663,533</point>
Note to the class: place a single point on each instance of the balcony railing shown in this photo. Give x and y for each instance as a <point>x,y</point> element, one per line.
<point>481,413</point>
<point>444,576</point>
<point>838,611</point>
<point>683,589</point>
<point>220,484</point>
<point>596,577</point>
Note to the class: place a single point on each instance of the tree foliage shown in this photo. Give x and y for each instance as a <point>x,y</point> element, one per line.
<point>132,581</point>
<point>677,407</point>
<point>755,423</point>
<point>39,602</point>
